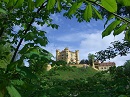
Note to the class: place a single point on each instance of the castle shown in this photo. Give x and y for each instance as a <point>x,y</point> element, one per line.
<point>73,58</point>
<point>68,56</point>
<point>103,66</point>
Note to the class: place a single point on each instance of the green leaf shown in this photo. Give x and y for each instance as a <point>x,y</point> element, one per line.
<point>11,67</point>
<point>109,5</point>
<point>122,96</point>
<point>68,1</point>
<point>41,41</point>
<point>59,5</point>
<point>19,3</point>
<point>26,48</point>
<point>74,7</point>
<point>97,13</point>
<point>11,3</point>
<point>88,13</point>
<point>30,5</point>
<point>120,29</point>
<point>41,33</point>
<point>109,18</point>
<point>6,1</point>
<point>28,73</point>
<point>110,28</point>
<point>39,3</point>
<point>124,2</point>
<point>127,35</point>
<point>12,91</point>
<point>65,1</point>
<point>50,4</point>
<point>17,82</point>
<point>1,95</point>
<point>3,11</point>
<point>30,36</point>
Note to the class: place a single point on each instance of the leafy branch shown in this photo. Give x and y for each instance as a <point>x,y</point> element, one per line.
<point>116,15</point>
<point>25,31</point>
<point>117,48</point>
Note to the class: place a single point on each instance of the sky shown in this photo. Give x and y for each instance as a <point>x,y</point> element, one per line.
<point>85,37</point>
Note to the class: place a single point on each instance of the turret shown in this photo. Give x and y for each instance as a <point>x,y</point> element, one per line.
<point>77,56</point>
<point>57,54</point>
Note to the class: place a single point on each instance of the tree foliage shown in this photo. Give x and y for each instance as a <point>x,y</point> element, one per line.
<point>91,59</point>
<point>5,55</point>
<point>117,49</point>
<point>17,80</point>
<point>83,61</point>
<point>103,84</point>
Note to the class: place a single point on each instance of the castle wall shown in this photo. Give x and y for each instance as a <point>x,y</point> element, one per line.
<point>68,56</point>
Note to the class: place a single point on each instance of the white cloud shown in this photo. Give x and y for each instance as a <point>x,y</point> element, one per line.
<point>56,18</point>
<point>120,60</point>
<point>89,43</point>
<point>94,43</point>
<point>78,35</point>
<point>71,37</point>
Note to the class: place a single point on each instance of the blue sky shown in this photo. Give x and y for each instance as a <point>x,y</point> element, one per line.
<point>85,37</point>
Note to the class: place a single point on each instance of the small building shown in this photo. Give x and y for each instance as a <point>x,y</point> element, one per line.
<point>104,66</point>
<point>68,56</point>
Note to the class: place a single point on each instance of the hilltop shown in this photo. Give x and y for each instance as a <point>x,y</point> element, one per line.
<point>70,73</point>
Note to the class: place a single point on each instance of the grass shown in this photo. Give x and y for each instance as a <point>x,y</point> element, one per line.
<point>70,73</point>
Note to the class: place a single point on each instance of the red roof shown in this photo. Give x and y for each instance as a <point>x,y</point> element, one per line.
<point>107,64</point>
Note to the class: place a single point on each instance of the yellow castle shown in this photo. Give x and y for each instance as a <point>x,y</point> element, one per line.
<point>68,56</point>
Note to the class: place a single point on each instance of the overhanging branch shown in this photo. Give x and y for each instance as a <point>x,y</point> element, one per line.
<point>25,32</point>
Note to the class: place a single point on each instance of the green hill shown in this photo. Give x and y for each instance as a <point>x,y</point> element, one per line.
<point>70,73</point>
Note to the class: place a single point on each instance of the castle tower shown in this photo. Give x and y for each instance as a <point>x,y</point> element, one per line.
<point>77,56</point>
<point>93,65</point>
<point>57,54</point>
<point>68,56</point>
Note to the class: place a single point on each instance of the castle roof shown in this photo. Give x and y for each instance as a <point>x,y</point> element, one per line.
<point>107,64</point>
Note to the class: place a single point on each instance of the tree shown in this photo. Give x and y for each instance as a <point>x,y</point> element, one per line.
<point>83,61</point>
<point>91,59</point>
<point>17,80</point>
<point>117,49</point>
<point>127,68</point>
<point>5,55</point>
